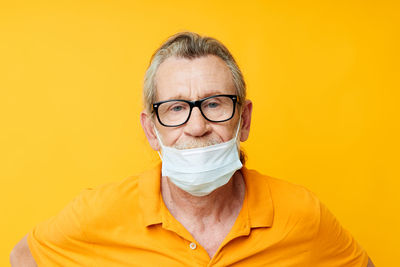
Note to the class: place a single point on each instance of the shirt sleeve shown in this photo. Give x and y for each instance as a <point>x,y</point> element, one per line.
<point>334,245</point>
<point>61,241</point>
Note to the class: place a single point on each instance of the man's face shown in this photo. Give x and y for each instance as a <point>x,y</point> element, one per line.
<point>194,79</point>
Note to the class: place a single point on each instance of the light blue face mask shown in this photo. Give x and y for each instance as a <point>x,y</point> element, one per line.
<point>199,171</point>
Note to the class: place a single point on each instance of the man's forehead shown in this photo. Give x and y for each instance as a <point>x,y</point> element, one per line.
<point>181,78</point>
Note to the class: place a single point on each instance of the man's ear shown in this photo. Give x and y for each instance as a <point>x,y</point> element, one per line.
<point>246,120</point>
<point>148,127</point>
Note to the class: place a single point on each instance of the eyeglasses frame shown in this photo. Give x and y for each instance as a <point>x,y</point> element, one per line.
<point>192,104</point>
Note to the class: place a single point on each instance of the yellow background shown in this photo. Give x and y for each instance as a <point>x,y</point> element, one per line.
<point>323,77</point>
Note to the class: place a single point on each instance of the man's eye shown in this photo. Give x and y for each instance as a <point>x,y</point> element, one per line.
<point>212,105</point>
<point>177,108</point>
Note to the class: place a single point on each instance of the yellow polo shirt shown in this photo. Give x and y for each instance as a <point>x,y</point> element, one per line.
<point>127,224</point>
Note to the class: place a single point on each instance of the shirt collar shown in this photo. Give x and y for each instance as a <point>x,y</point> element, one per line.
<point>150,195</point>
<point>259,200</point>
<point>258,197</point>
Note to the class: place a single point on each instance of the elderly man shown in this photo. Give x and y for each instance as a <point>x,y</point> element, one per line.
<point>201,206</point>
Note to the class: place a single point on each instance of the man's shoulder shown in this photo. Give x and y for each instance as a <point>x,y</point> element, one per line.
<point>99,201</point>
<point>116,190</point>
<point>288,197</point>
<point>112,191</point>
<point>107,206</point>
<point>111,198</point>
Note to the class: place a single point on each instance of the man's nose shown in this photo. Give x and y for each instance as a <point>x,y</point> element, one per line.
<point>197,125</point>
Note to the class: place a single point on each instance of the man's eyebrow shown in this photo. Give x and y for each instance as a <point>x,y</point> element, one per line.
<point>211,93</point>
<point>216,92</point>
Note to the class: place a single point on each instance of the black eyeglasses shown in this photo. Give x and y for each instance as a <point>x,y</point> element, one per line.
<point>175,112</point>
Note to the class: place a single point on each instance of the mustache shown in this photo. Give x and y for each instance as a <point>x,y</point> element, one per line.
<point>196,143</point>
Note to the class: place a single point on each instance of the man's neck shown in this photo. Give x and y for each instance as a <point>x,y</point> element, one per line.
<point>217,205</point>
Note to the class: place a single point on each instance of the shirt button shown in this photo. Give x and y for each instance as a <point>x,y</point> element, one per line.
<point>193,245</point>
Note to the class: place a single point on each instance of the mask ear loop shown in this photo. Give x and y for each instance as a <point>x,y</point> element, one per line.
<point>238,127</point>
<point>159,140</point>
<point>237,133</point>
<point>237,141</point>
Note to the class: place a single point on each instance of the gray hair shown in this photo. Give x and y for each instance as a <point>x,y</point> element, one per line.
<point>189,45</point>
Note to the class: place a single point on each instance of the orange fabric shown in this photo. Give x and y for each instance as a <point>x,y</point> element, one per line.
<point>127,224</point>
